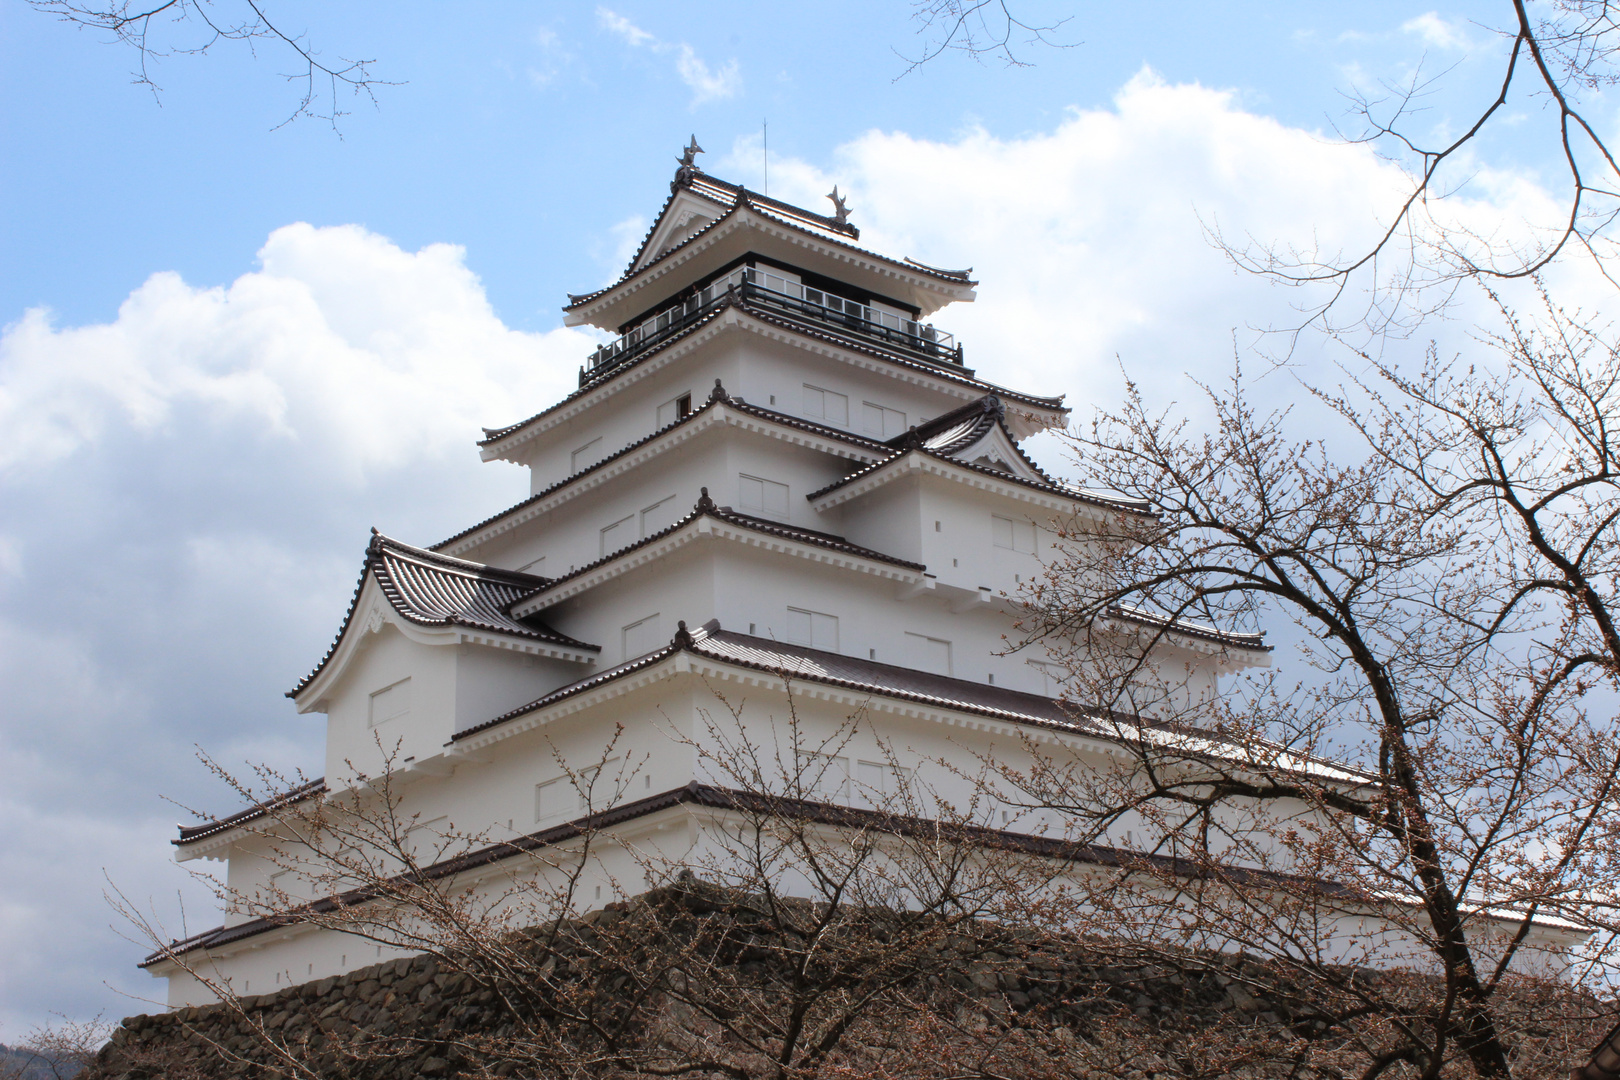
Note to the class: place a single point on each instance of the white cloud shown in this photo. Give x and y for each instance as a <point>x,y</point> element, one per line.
<point>1436,32</point>
<point>554,57</point>
<point>342,340</point>
<point>1089,239</point>
<point>615,23</point>
<point>184,507</point>
<point>706,83</point>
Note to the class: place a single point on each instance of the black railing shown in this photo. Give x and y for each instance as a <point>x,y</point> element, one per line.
<point>772,290</point>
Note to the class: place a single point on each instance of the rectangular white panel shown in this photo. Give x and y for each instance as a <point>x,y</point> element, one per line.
<point>643,636</point>
<point>812,628</point>
<point>929,653</point>
<point>660,515</point>
<point>586,456</point>
<point>764,498</point>
<point>620,534</point>
<point>881,422</point>
<point>827,406</point>
<point>1013,535</point>
<point>391,702</point>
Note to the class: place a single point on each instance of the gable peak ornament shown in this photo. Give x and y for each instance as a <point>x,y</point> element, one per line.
<point>840,207</point>
<point>688,163</point>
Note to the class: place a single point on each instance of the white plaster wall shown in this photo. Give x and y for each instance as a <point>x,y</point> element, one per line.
<point>767,371</point>
<point>631,414</point>
<point>490,681</point>
<point>680,586</point>
<point>496,792</point>
<point>570,535</point>
<point>386,657</point>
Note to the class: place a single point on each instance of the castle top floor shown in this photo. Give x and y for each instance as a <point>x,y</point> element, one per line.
<point>709,228</point>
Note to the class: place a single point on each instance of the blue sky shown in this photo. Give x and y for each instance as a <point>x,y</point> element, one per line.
<point>229,348</point>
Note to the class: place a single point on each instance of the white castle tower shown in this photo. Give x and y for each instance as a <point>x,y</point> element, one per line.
<point>778,465</point>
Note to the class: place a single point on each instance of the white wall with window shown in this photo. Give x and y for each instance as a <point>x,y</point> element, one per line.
<point>761,497</point>
<point>643,636</point>
<point>878,783</point>
<point>1012,534</point>
<point>676,408</point>
<point>586,455</point>
<point>391,703</point>
<point>813,628</point>
<point>619,534</point>
<point>827,406</point>
<point>881,422</point>
<point>928,653</point>
<point>662,514</point>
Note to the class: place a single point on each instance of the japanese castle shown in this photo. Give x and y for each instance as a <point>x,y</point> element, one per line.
<point>778,465</point>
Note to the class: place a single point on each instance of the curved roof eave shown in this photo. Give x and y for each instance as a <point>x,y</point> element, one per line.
<point>499,442</point>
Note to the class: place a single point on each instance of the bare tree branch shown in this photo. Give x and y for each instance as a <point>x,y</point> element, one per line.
<point>158,30</point>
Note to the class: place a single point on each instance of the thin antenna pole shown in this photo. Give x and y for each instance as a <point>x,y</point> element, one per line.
<point>765,125</point>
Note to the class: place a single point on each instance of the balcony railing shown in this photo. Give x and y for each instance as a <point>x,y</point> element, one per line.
<point>762,286</point>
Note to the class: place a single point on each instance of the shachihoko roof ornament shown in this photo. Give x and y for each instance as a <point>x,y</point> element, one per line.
<point>688,170</point>
<point>840,207</point>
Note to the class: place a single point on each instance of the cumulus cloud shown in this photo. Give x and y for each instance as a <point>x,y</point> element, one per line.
<point>1092,242</point>
<point>706,83</point>
<point>342,340</point>
<point>184,503</point>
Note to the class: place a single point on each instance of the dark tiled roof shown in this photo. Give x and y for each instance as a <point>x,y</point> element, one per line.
<point>430,589</point>
<point>1255,642</point>
<point>1051,488</point>
<point>573,689</point>
<point>706,508</point>
<point>721,190</point>
<point>737,197</point>
<point>720,397</point>
<point>833,669</point>
<point>887,680</point>
<point>956,430</point>
<point>960,428</point>
<point>726,194</point>
<point>190,834</point>
<point>493,435</point>
<point>806,327</point>
<point>718,798</point>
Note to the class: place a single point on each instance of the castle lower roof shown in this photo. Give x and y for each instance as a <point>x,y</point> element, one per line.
<point>717,398</point>
<point>434,590</point>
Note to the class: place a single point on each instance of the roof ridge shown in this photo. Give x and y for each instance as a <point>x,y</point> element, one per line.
<point>192,833</point>
<point>495,435</point>
<point>1011,478</point>
<point>745,201</point>
<point>381,547</point>
<point>706,507</point>
<point>455,564</point>
<point>760,411</point>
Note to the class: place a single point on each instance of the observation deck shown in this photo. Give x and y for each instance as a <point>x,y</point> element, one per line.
<point>917,341</point>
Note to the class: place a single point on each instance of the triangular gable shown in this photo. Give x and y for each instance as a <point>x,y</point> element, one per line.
<point>437,600</point>
<point>684,213</point>
<point>995,449</point>
<point>977,434</point>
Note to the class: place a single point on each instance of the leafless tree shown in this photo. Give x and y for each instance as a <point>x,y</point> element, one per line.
<point>1453,584</point>
<point>979,29</point>
<point>157,30</point>
<point>55,1051</point>
<point>806,938</point>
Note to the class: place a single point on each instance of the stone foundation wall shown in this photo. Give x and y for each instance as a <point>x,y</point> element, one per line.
<point>414,998</point>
